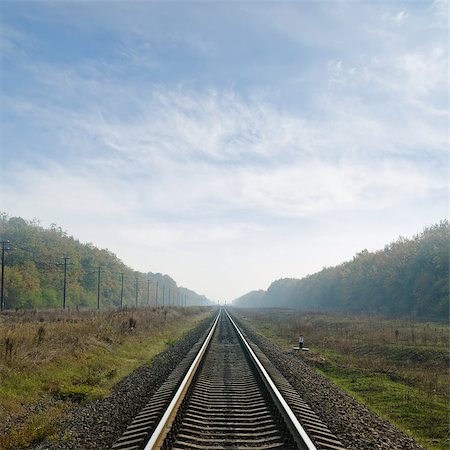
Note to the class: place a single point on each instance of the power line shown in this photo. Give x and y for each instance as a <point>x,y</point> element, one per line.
<point>137,286</point>
<point>99,271</point>
<point>35,260</point>
<point>2,301</point>
<point>66,258</point>
<point>121,289</point>
<point>175,295</point>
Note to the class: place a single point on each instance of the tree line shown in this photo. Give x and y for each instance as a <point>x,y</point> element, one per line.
<point>34,272</point>
<point>409,277</point>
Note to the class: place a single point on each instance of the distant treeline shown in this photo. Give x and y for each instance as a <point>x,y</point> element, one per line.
<point>34,271</point>
<point>409,277</point>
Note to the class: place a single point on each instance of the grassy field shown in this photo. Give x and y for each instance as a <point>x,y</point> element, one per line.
<point>398,368</point>
<point>51,361</point>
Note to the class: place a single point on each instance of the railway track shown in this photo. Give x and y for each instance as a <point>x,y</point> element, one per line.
<point>226,394</point>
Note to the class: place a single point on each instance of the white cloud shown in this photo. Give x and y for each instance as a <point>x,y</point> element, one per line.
<point>151,235</point>
<point>137,55</point>
<point>76,192</point>
<point>441,11</point>
<point>217,154</point>
<point>167,173</point>
<point>13,42</point>
<point>425,72</point>
<point>396,18</point>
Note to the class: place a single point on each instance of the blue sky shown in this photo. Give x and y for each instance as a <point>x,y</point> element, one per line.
<point>227,144</point>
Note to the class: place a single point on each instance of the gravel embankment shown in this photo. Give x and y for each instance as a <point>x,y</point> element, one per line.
<point>354,424</point>
<point>99,424</point>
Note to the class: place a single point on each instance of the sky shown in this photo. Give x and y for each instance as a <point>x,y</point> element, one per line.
<point>227,144</point>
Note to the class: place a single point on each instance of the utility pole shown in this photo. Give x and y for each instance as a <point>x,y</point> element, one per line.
<point>99,271</point>
<point>121,289</point>
<point>156,293</point>
<point>169,297</point>
<point>137,283</point>
<point>2,298</point>
<point>148,291</point>
<point>65,281</point>
<point>164,293</point>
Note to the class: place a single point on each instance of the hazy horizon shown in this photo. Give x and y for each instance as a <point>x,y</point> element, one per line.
<point>226,144</point>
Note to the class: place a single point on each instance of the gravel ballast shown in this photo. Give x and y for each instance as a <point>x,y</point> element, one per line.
<point>355,425</point>
<point>99,424</point>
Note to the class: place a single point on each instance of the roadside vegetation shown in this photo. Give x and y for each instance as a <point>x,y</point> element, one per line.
<point>51,361</point>
<point>36,259</point>
<point>398,368</point>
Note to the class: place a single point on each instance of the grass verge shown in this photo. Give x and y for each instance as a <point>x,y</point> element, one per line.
<point>399,369</point>
<point>50,363</point>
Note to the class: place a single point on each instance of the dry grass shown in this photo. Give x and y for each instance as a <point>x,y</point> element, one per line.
<point>397,367</point>
<point>32,338</point>
<point>50,360</point>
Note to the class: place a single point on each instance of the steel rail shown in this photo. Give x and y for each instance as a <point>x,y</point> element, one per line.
<point>299,433</point>
<point>157,438</point>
